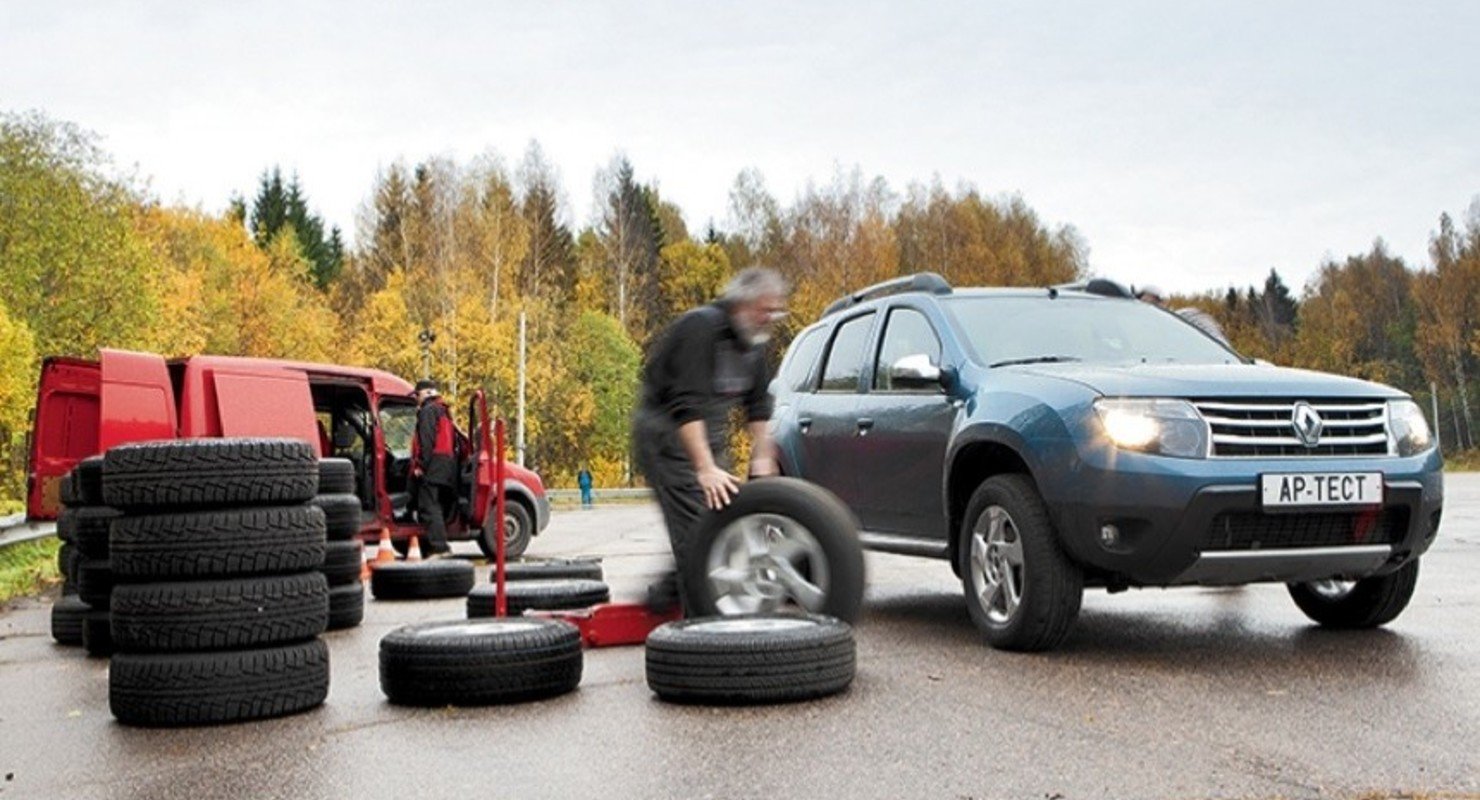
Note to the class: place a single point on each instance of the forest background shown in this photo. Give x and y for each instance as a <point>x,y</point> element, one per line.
<point>89,258</point>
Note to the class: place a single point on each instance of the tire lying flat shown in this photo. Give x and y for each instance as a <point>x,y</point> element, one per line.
<point>95,582</point>
<point>265,540</point>
<point>541,595</point>
<point>588,569</point>
<point>480,663</point>
<point>336,476</point>
<point>88,485</point>
<point>219,614</point>
<point>422,580</point>
<point>177,689</point>
<point>341,515</point>
<point>89,527</point>
<point>97,636</point>
<point>204,473</point>
<point>67,615</point>
<point>769,658</point>
<point>343,562</point>
<point>346,606</point>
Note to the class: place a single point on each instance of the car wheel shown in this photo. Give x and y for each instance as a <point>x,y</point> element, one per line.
<point>1023,592</point>
<point>781,543</point>
<point>518,528</point>
<point>539,595</point>
<point>1366,603</point>
<point>766,658</point>
<point>480,663</point>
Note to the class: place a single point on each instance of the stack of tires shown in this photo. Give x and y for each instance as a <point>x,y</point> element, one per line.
<point>219,598</point>
<point>80,617</point>
<point>344,554</point>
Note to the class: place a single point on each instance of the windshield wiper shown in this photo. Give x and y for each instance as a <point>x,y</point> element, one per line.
<point>1035,360</point>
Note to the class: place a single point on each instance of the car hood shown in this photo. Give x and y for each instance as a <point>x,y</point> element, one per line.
<point>1209,380</point>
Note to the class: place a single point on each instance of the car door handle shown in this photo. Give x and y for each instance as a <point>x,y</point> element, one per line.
<point>804,424</point>
<point>865,424</point>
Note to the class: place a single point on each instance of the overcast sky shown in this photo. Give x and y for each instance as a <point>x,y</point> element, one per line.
<point>1192,144</point>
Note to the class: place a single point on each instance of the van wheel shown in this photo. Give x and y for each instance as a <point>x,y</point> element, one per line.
<point>518,528</point>
<point>1023,592</point>
<point>1366,603</point>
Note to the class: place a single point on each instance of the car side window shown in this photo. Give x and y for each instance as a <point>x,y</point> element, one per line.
<point>907,332</point>
<point>845,357</point>
<point>797,371</point>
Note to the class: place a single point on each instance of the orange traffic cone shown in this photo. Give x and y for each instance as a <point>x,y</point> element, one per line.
<point>384,552</point>
<point>413,553</point>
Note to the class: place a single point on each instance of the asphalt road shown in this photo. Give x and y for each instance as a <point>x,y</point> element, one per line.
<point>1181,693</point>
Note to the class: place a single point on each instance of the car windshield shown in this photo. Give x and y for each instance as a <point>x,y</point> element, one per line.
<point>1016,330</point>
<point>398,422</point>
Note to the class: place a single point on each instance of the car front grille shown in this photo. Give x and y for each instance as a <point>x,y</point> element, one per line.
<point>1251,530</point>
<point>1265,428</point>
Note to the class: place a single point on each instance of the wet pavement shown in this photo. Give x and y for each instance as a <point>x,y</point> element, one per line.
<point>1176,693</point>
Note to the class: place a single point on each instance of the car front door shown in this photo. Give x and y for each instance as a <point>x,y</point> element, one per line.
<point>826,419</point>
<point>904,422</point>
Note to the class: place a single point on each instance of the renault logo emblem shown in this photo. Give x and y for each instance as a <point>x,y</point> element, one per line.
<point>1308,424</point>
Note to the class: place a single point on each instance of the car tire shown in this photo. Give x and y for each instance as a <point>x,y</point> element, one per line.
<point>586,569</point>
<point>67,615</point>
<point>824,552</point>
<point>1048,586</point>
<point>343,562</point>
<point>203,473</point>
<point>480,663</point>
<point>67,490</point>
<point>336,476</point>
<point>95,582</point>
<point>421,580</point>
<point>88,486</point>
<point>538,595</point>
<point>262,540</point>
<point>341,515</point>
<point>67,556</point>
<point>179,689</point>
<point>219,615</point>
<point>90,526</point>
<point>346,606</point>
<point>1367,603</point>
<point>97,633</point>
<point>519,528</point>
<point>765,658</point>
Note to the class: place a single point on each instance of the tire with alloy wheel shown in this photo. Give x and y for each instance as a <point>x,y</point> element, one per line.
<point>422,580</point>
<point>518,529</point>
<point>1366,603</point>
<point>177,689</point>
<point>763,658</point>
<point>540,595</point>
<point>1023,592</point>
<point>483,662</point>
<point>781,543</point>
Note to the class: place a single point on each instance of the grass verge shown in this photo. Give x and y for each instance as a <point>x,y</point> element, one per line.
<point>1463,461</point>
<point>29,567</point>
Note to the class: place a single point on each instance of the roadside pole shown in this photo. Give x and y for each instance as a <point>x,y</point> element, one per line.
<point>1434,399</point>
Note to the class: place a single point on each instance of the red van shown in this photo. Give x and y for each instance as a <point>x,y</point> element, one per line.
<point>364,415</point>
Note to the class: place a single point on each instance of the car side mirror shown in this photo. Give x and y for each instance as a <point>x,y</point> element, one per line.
<point>915,372</point>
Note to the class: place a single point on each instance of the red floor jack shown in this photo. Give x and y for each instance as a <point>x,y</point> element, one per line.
<point>604,625</point>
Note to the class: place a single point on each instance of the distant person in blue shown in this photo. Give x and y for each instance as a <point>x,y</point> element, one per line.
<point>583,480</point>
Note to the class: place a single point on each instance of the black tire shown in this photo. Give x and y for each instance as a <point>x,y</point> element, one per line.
<point>1368,603</point>
<point>67,556</point>
<point>178,689</point>
<point>67,615</point>
<point>343,562</point>
<point>97,634</point>
<point>831,525</point>
<point>90,529</point>
<point>94,582</point>
<point>219,615</point>
<point>1050,587</point>
<point>421,580</point>
<point>519,529</point>
<point>346,606</point>
<point>336,476</point>
<point>769,658</point>
<point>341,515</point>
<point>205,473</point>
<point>67,489</point>
<point>480,663</point>
<point>586,569</point>
<point>67,524</point>
<point>88,481</point>
<point>540,595</point>
<point>266,540</point>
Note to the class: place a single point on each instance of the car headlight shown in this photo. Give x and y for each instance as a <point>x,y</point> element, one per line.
<point>1165,427</point>
<point>1410,429</point>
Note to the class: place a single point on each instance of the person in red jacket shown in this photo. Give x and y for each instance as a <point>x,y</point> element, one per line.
<point>434,465</point>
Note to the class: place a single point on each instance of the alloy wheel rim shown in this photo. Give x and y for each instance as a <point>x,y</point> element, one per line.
<point>764,562</point>
<point>997,565</point>
<point>1332,588</point>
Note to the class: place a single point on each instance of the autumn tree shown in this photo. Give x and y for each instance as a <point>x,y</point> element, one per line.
<point>278,207</point>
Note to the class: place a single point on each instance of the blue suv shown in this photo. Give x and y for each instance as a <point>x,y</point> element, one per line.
<point>1047,440</point>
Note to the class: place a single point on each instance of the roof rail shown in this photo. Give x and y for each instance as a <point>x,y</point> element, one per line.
<point>919,282</point>
<point>1100,286</point>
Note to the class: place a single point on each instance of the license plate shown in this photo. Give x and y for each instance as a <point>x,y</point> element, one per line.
<point>1304,489</point>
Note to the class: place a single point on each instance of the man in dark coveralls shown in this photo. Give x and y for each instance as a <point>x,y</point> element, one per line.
<point>710,361</point>
<point>434,465</point>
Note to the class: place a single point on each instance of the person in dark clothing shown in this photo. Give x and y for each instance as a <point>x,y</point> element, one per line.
<point>708,362</point>
<point>434,465</point>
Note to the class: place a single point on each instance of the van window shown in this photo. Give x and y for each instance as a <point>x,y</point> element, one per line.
<point>398,424</point>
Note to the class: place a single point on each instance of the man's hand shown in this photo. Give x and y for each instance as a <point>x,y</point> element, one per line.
<point>718,486</point>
